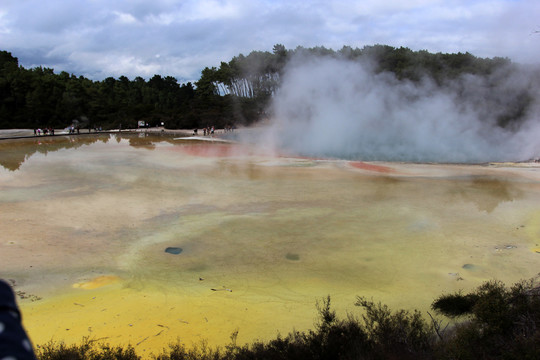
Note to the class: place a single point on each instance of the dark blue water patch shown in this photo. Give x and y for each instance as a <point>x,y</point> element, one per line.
<point>469,267</point>
<point>174,250</point>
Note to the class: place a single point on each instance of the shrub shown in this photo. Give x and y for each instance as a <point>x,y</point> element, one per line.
<point>502,323</point>
<point>401,334</point>
<point>454,305</point>
<point>88,350</point>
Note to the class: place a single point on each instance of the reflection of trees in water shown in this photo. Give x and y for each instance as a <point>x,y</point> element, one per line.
<point>15,152</point>
<point>145,140</point>
<point>11,158</point>
<point>387,187</point>
<point>486,192</point>
<point>142,141</point>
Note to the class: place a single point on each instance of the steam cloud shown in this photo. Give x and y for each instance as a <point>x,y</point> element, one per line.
<point>339,108</point>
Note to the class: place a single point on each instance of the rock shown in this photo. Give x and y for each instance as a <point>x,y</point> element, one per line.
<point>174,250</point>
<point>291,256</point>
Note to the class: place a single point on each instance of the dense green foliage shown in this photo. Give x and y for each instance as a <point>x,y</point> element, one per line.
<point>258,74</point>
<point>32,98</point>
<point>39,98</point>
<point>238,92</point>
<point>499,322</point>
<point>502,323</point>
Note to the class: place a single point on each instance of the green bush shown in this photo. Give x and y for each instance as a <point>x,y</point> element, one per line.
<point>454,305</point>
<point>87,350</point>
<point>402,333</point>
<point>501,323</point>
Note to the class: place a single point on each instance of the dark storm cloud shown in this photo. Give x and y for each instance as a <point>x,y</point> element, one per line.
<point>100,38</point>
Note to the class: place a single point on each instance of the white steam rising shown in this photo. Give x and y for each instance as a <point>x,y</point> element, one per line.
<point>339,108</point>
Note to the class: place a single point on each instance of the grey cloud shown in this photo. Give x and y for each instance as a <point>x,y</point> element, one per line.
<point>76,36</point>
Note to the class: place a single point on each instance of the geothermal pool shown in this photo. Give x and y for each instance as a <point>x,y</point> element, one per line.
<point>145,240</point>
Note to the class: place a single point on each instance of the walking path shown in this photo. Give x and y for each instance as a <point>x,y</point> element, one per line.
<point>29,133</point>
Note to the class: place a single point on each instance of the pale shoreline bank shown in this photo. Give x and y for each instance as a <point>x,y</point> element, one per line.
<point>7,134</point>
<point>13,134</point>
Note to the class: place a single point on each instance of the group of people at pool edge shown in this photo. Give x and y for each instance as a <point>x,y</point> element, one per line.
<point>209,130</point>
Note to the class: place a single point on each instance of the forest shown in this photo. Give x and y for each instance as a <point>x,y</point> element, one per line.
<point>236,93</point>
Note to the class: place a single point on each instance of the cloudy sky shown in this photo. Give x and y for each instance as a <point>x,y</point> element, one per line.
<point>100,38</point>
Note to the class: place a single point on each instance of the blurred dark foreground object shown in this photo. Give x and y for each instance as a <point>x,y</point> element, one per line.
<point>14,343</point>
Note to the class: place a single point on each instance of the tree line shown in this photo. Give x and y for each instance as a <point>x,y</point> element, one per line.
<point>237,92</point>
